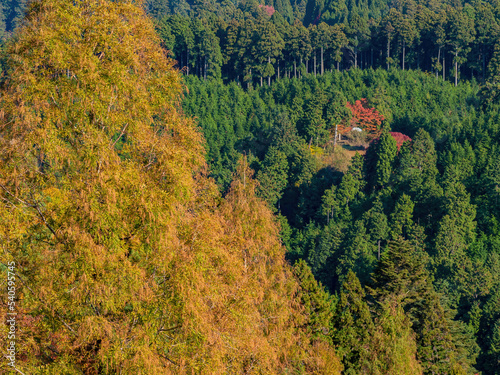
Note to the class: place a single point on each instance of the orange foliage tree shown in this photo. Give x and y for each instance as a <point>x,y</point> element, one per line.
<point>364,117</point>
<point>127,258</point>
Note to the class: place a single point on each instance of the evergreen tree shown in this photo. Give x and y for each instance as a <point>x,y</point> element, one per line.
<point>456,228</point>
<point>401,276</point>
<point>273,176</point>
<point>386,153</point>
<point>353,326</point>
<point>401,218</point>
<point>461,33</point>
<point>319,305</point>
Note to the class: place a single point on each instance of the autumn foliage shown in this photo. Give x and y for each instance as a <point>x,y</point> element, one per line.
<point>363,117</point>
<point>268,9</point>
<point>400,138</point>
<point>128,260</point>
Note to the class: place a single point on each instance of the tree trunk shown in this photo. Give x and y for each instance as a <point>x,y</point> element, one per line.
<point>338,66</point>
<point>439,58</point>
<point>315,63</point>
<point>322,62</point>
<point>294,68</point>
<point>388,51</point>
<point>278,70</point>
<point>335,138</point>
<point>484,64</point>
<point>444,68</point>
<point>456,68</point>
<point>356,56</point>
<point>205,68</point>
<point>269,76</point>
<point>404,48</point>
<point>187,61</point>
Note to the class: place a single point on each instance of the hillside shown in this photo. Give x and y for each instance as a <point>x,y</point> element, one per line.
<point>126,258</point>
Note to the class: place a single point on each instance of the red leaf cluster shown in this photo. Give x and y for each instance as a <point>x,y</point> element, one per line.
<point>365,117</point>
<point>268,9</point>
<point>400,138</point>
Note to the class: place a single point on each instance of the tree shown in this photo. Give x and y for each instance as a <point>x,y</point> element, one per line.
<point>376,223</point>
<point>439,34</point>
<point>408,33</point>
<point>273,176</point>
<point>456,228</point>
<point>353,325</point>
<point>461,34</point>
<point>388,31</point>
<point>338,41</point>
<point>312,124</point>
<point>336,113</point>
<point>267,48</point>
<point>244,288</point>
<point>96,128</point>
<point>208,52</point>
<point>494,351</point>
<point>401,218</point>
<point>357,33</point>
<point>184,40</point>
<point>298,44</point>
<point>401,276</point>
<point>394,349</point>
<point>386,153</point>
<point>318,303</point>
<point>487,31</point>
<point>321,39</point>
<point>127,257</point>
<point>365,117</point>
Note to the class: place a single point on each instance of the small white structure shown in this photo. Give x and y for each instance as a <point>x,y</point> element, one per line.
<point>356,129</point>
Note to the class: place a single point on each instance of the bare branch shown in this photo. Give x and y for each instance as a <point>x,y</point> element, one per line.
<point>121,134</point>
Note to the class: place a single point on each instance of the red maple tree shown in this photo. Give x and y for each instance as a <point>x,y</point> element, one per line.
<point>364,117</point>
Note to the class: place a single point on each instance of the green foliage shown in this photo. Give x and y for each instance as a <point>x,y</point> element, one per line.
<point>127,257</point>
<point>401,218</point>
<point>318,303</point>
<point>273,176</point>
<point>353,325</point>
<point>386,153</point>
<point>402,276</point>
<point>100,164</point>
<point>439,191</point>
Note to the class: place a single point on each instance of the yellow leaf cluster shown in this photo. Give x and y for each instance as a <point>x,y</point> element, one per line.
<point>127,258</point>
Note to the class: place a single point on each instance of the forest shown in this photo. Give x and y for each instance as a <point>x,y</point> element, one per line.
<point>250,187</point>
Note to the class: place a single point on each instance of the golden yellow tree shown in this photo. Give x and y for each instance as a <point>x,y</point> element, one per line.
<point>127,259</point>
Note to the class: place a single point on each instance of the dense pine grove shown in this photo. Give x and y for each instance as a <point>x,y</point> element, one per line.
<point>244,187</point>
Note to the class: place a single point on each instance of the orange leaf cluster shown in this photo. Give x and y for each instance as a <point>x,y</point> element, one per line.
<point>364,116</point>
<point>127,258</point>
